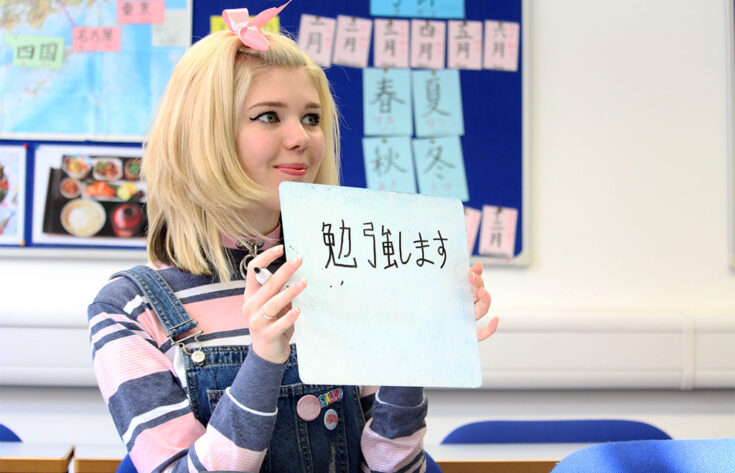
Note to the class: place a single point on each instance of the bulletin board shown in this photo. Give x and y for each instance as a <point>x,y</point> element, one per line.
<point>495,104</point>
<point>78,83</point>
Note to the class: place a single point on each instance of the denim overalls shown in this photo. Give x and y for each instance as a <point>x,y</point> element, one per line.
<point>296,445</point>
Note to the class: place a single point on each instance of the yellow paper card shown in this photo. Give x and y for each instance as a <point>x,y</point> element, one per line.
<point>216,23</point>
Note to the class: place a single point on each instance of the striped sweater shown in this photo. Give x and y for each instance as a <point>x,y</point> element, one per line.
<point>142,381</point>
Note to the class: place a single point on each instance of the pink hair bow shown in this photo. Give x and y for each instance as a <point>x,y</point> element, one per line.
<point>239,23</point>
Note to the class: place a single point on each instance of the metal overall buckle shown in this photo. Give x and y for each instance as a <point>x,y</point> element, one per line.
<point>197,355</point>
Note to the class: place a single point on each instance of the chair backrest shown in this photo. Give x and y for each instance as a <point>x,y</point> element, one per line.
<point>126,466</point>
<point>659,456</point>
<point>431,465</point>
<point>554,431</point>
<point>7,435</point>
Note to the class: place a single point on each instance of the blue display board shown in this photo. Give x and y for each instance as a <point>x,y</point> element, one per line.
<point>493,104</point>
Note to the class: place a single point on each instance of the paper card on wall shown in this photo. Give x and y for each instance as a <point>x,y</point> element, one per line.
<point>437,102</point>
<point>498,231</point>
<point>501,45</point>
<point>440,167</point>
<point>464,49</point>
<point>418,8</point>
<point>389,164</point>
<point>387,102</point>
<point>37,51</point>
<point>216,23</point>
<point>149,11</point>
<point>93,38</point>
<point>427,44</point>
<point>316,37</point>
<point>352,45</point>
<point>388,300</point>
<point>390,46</point>
<point>472,222</point>
<point>12,194</point>
<point>168,34</point>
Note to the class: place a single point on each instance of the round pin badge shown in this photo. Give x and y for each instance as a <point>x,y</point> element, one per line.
<point>331,419</point>
<point>308,408</point>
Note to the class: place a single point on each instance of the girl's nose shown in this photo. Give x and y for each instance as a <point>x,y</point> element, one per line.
<point>296,136</point>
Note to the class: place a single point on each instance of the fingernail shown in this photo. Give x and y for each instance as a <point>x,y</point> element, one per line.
<point>295,261</point>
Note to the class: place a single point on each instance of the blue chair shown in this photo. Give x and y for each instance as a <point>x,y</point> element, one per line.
<point>126,466</point>
<point>7,435</point>
<point>653,456</point>
<point>431,465</point>
<point>554,431</point>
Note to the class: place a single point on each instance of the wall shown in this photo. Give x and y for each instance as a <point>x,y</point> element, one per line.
<point>629,216</point>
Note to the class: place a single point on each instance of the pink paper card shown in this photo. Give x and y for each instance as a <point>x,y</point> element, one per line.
<point>464,48</point>
<point>141,11</point>
<point>501,45</point>
<point>316,37</point>
<point>472,223</point>
<point>96,38</point>
<point>498,231</point>
<point>352,45</point>
<point>390,47</point>
<point>427,44</point>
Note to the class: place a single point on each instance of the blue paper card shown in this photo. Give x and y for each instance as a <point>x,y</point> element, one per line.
<point>388,301</point>
<point>437,99</point>
<point>440,167</point>
<point>418,8</point>
<point>389,164</point>
<point>386,98</point>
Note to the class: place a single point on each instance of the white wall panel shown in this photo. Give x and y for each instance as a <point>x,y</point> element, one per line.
<point>545,351</point>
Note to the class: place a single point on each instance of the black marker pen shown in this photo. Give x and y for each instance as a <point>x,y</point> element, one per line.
<point>262,275</point>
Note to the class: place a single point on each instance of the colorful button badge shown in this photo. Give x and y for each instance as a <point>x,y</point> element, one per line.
<point>331,419</point>
<point>331,397</point>
<point>308,408</point>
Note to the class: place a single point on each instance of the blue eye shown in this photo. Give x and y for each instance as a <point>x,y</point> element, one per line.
<point>312,119</point>
<point>266,117</point>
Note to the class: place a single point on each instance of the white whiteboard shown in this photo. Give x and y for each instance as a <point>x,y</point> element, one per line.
<point>381,308</point>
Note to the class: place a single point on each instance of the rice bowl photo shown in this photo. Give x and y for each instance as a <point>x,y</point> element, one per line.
<point>83,217</point>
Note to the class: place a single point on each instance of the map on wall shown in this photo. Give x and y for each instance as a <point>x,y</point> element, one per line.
<point>87,69</point>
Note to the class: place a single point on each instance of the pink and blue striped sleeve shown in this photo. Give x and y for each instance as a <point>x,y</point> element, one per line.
<point>151,410</point>
<point>393,438</point>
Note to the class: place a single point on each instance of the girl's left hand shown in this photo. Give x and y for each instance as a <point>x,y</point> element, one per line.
<point>482,302</point>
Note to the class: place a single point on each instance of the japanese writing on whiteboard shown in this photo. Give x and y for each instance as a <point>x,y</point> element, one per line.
<point>387,248</point>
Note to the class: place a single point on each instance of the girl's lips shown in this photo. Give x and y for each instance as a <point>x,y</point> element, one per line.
<point>292,169</point>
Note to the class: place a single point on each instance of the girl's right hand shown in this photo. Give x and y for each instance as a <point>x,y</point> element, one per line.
<point>268,309</point>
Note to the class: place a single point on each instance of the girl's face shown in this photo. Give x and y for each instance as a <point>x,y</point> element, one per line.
<point>280,138</point>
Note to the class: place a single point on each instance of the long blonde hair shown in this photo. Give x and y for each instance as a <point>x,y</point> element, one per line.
<point>197,189</point>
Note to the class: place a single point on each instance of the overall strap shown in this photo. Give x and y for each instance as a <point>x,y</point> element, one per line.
<point>165,304</point>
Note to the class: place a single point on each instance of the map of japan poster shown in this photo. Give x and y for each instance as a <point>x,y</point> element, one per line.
<point>87,69</point>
